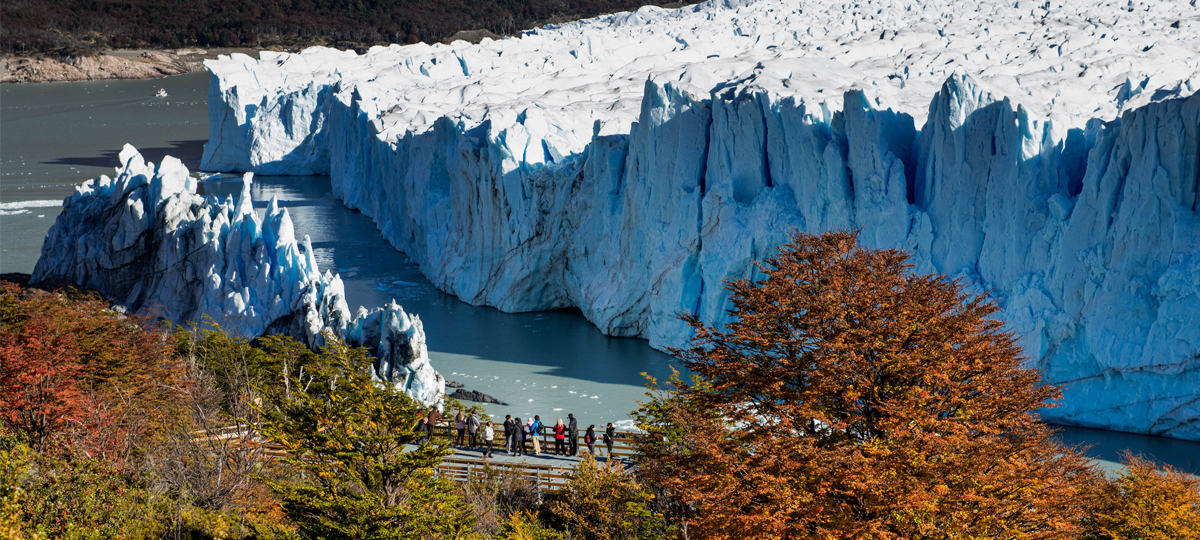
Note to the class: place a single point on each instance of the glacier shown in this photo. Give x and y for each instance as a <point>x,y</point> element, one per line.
<point>147,240</point>
<point>1047,153</point>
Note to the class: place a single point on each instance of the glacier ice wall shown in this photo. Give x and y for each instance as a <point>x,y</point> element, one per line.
<point>627,165</point>
<point>147,240</point>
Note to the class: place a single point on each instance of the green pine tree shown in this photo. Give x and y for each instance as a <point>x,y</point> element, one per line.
<point>349,440</point>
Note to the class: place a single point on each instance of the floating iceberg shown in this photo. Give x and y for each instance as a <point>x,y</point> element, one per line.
<point>147,240</point>
<point>627,165</point>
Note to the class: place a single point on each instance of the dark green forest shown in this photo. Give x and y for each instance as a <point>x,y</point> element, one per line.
<point>31,26</point>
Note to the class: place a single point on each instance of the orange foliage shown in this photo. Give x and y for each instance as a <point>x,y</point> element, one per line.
<point>852,398</point>
<point>73,373</point>
<point>1149,501</point>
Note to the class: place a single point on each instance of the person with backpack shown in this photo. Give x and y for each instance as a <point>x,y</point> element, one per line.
<point>589,438</point>
<point>560,434</point>
<point>535,431</point>
<point>473,429</point>
<point>573,434</point>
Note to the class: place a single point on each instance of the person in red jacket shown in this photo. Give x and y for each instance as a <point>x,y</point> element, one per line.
<point>560,435</point>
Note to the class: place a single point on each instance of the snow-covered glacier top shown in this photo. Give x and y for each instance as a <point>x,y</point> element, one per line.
<point>1065,61</point>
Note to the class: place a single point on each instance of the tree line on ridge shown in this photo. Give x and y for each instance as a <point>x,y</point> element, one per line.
<point>33,26</point>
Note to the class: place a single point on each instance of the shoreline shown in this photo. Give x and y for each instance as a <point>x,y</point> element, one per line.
<point>109,65</point>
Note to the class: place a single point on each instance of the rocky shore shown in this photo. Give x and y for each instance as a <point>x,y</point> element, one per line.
<point>118,64</point>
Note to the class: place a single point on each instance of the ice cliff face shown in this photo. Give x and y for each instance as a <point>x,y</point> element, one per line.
<point>626,165</point>
<point>146,239</point>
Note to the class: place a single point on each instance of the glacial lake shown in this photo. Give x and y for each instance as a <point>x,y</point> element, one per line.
<point>55,136</point>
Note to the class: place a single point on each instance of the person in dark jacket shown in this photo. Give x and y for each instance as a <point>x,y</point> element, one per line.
<point>423,429</point>
<point>508,433</point>
<point>610,433</point>
<point>590,439</point>
<point>572,434</point>
<point>473,429</point>
<point>518,436</point>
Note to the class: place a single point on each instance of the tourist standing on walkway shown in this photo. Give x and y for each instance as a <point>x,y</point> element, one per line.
<point>423,429</point>
<point>508,433</point>
<point>573,434</point>
<point>435,416</point>
<point>460,424</point>
<point>488,435</point>
<point>535,431</point>
<point>519,436</point>
<point>590,439</point>
<point>472,429</point>
<point>610,433</point>
<point>560,433</point>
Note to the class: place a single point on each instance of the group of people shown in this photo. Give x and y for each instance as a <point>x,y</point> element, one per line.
<point>520,437</point>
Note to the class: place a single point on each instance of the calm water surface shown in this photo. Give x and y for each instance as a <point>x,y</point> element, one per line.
<point>55,136</point>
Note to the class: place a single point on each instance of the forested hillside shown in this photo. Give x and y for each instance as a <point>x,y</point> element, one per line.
<point>28,26</point>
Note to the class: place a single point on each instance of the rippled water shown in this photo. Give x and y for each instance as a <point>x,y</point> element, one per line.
<point>55,136</point>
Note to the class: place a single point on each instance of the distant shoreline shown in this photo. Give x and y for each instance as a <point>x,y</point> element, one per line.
<point>106,65</point>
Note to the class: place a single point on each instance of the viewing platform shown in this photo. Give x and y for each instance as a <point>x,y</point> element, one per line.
<point>548,471</point>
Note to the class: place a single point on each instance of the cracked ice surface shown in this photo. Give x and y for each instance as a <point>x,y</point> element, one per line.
<point>146,239</point>
<point>626,165</point>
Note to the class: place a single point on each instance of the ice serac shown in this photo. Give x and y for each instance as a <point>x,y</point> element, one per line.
<point>146,239</point>
<point>627,165</point>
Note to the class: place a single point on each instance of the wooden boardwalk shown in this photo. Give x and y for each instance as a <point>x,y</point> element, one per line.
<point>546,470</point>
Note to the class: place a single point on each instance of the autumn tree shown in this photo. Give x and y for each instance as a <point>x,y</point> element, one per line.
<point>606,503</point>
<point>849,397</point>
<point>207,457</point>
<point>1148,501</point>
<point>353,446</point>
<point>501,498</point>
<point>74,372</point>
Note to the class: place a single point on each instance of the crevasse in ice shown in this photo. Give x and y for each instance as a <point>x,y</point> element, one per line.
<point>147,240</point>
<point>626,165</point>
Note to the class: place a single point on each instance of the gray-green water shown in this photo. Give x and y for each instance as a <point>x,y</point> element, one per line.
<point>55,136</point>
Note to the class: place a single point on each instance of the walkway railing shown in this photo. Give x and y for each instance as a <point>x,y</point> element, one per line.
<point>545,473</point>
<point>622,441</point>
<point>548,474</point>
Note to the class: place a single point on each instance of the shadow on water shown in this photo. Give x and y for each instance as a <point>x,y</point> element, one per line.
<point>189,152</point>
<point>1108,445</point>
